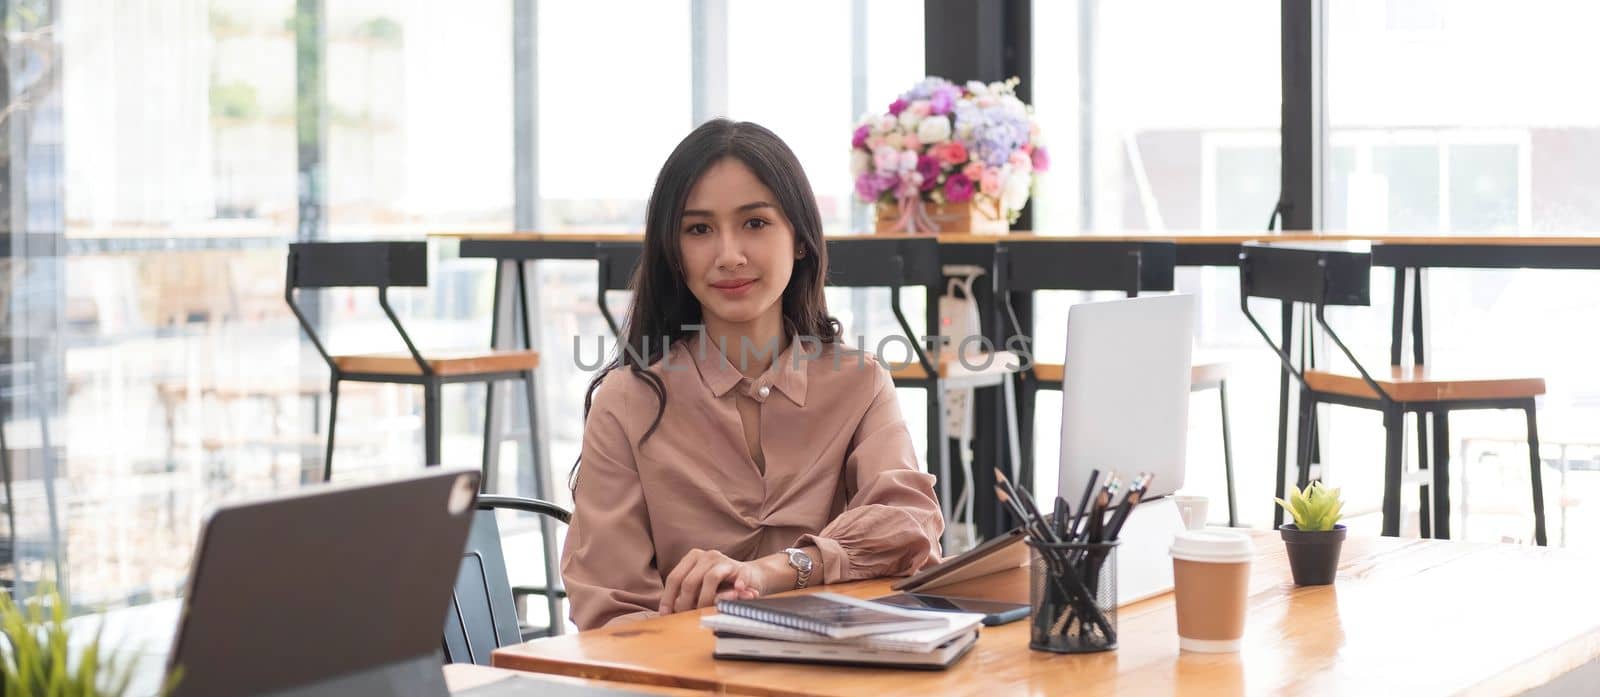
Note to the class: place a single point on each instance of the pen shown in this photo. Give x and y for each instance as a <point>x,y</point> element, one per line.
<point>1083,503</point>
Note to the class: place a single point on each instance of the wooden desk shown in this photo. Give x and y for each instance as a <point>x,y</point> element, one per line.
<point>461,677</point>
<point>1408,617</point>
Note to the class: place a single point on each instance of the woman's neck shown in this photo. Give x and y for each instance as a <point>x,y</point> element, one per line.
<point>750,346</point>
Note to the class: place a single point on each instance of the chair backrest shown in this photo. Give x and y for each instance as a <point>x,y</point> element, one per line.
<point>482,615</point>
<point>1071,264</point>
<point>358,264</point>
<point>1317,273</point>
<point>617,263</point>
<point>890,262</point>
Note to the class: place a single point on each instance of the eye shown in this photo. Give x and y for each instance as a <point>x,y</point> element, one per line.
<point>756,223</point>
<point>697,229</point>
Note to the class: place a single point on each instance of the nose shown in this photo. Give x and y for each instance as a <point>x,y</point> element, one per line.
<point>730,250</point>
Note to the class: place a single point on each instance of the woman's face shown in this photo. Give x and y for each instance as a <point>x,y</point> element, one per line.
<point>738,249</point>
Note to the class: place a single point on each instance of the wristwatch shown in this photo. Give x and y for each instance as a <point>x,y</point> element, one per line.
<point>802,566</point>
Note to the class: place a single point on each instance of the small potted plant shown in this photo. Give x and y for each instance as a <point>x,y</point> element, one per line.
<point>39,654</point>
<point>1315,536</point>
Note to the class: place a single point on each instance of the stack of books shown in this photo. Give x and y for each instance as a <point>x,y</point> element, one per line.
<point>832,628</point>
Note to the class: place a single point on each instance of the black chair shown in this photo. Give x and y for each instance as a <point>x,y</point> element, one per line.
<point>1319,275</point>
<point>482,615</point>
<point>382,265</point>
<point>1129,267</point>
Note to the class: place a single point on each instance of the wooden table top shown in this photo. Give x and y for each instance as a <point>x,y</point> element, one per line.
<point>460,677</point>
<point>1181,237</point>
<point>1405,617</point>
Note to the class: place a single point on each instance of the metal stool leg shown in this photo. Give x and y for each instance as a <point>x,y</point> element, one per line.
<point>488,435</point>
<point>1308,435</point>
<point>1535,464</point>
<point>1441,474</point>
<point>333,419</point>
<point>1227,453</point>
<point>547,528</point>
<point>430,422</point>
<point>1424,505</point>
<point>1394,435</point>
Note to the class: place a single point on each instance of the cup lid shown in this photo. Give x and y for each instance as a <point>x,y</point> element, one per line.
<point>1212,546</point>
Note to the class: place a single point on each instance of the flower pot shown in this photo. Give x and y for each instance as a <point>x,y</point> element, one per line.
<point>979,216</point>
<point>1313,555</point>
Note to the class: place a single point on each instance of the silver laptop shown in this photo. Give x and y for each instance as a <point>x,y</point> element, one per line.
<point>1125,408</point>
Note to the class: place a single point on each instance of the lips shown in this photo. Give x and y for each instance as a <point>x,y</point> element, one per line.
<point>735,286</point>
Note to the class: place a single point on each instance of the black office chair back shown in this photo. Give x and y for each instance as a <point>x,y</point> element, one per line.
<point>618,261</point>
<point>482,615</point>
<point>1314,273</point>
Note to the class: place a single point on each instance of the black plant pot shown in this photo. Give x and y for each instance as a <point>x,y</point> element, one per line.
<point>1313,555</point>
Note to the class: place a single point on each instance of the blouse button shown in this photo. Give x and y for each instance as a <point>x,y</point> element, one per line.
<point>764,391</point>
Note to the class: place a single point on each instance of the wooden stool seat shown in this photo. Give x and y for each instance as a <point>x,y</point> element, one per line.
<point>1202,374</point>
<point>975,366</point>
<point>1414,384</point>
<point>444,364</point>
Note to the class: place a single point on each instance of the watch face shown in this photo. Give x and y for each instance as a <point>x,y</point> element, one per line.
<point>800,560</point>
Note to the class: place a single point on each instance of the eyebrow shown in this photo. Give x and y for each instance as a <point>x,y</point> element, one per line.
<point>753,205</point>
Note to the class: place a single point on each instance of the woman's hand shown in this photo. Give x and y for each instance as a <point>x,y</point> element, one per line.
<point>704,575</point>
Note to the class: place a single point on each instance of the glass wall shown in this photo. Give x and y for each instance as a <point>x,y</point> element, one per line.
<point>1167,125</point>
<point>1447,117</point>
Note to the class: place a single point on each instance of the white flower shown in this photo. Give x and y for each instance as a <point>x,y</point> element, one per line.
<point>977,88</point>
<point>908,160</point>
<point>1015,193</point>
<point>933,130</point>
<point>964,131</point>
<point>886,124</point>
<point>886,159</point>
<point>860,162</point>
<point>909,120</point>
<point>895,140</point>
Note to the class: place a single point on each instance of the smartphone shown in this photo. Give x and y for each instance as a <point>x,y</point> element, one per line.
<point>994,611</point>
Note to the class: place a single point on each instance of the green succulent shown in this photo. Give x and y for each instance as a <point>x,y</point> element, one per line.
<point>35,659</point>
<point>1316,509</point>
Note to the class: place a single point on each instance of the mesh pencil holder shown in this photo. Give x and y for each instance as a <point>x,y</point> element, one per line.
<point>1073,590</point>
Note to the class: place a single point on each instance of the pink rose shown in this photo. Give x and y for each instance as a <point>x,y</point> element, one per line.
<point>911,142</point>
<point>990,184</point>
<point>928,167</point>
<point>1021,162</point>
<point>897,106</point>
<point>951,153</point>
<point>859,138</point>
<point>973,170</point>
<point>1041,160</point>
<point>921,108</point>
<point>874,142</point>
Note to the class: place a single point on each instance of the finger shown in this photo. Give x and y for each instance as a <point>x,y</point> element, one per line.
<point>689,589</point>
<point>749,594</point>
<point>712,580</point>
<point>669,589</point>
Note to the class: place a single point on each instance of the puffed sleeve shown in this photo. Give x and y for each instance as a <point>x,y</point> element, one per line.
<point>608,563</point>
<point>891,523</point>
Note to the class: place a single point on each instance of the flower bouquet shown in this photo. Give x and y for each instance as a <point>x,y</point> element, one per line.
<point>949,158</point>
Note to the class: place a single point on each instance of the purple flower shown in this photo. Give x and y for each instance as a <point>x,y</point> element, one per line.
<point>860,137</point>
<point>957,188</point>
<point>928,167</point>
<point>898,106</point>
<point>1041,159</point>
<point>943,99</point>
<point>871,185</point>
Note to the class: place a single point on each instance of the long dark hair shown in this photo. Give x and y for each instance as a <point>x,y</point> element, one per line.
<point>663,307</point>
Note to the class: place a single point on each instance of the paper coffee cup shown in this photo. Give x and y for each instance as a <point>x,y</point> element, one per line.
<point>1211,582</point>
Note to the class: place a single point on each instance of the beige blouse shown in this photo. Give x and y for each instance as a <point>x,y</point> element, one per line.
<point>840,474</point>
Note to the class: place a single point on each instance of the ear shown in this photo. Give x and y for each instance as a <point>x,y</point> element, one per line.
<point>799,252</point>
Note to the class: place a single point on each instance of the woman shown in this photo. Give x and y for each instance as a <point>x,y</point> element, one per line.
<point>732,447</point>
